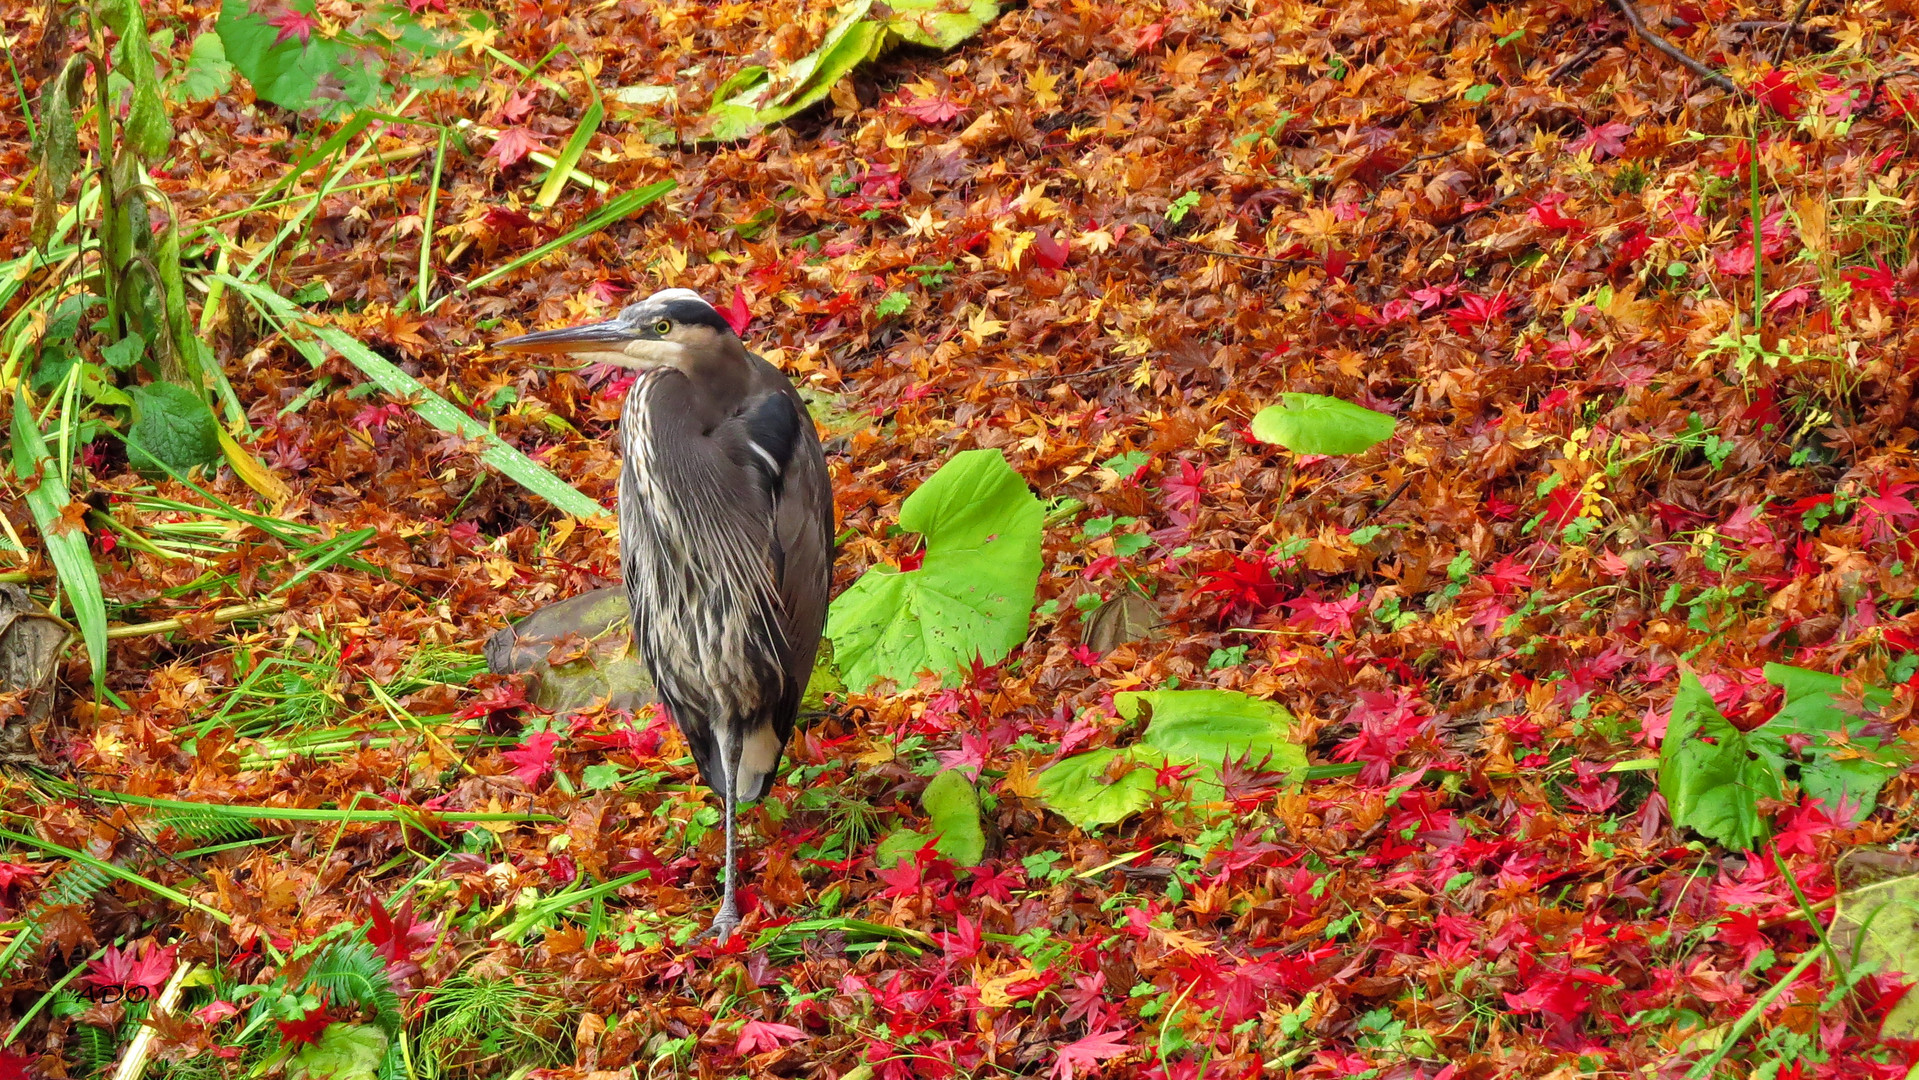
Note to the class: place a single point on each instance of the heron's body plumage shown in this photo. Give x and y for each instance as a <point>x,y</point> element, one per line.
<point>728,593</point>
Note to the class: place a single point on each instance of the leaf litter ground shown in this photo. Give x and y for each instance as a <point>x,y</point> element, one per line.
<point>1099,238</point>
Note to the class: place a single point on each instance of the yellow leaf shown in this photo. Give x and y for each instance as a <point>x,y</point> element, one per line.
<point>982,326</point>
<point>1041,83</point>
<point>1015,249</point>
<point>249,469</point>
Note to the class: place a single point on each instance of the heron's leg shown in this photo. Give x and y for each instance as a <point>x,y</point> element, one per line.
<point>728,918</point>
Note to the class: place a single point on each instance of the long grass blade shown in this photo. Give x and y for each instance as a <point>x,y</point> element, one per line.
<point>570,156</point>
<point>432,408</point>
<point>615,209</point>
<point>66,544</point>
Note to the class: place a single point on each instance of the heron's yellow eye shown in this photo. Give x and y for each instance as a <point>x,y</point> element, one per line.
<point>663,327</point>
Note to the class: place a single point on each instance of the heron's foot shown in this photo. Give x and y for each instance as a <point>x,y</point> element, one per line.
<point>724,923</point>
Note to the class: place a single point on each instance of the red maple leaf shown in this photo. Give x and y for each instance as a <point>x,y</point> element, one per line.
<point>1883,514</point>
<point>306,1029</point>
<point>1545,213</point>
<point>1606,140</point>
<point>1474,310</point>
<point>215,1011</point>
<point>417,6</point>
<point>13,1066</point>
<point>120,967</point>
<point>934,110</point>
<point>1777,91</point>
<point>398,935</point>
<point>517,105</point>
<point>514,144</point>
<point>533,759</point>
<point>760,1035</point>
<point>1876,279</point>
<point>1087,1053</point>
<point>10,873</point>
<point>1247,584</point>
<point>1050,251</point>
<point>736,314</point>
<point>293,23</point>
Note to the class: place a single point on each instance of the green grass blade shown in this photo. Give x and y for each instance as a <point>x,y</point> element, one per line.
<point>432,408</point>
<point>150,885</point>
<point>614,209</point>
<point>563,167</point>
<point>66,545</point>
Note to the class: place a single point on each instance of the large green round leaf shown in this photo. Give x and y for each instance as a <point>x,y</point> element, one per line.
<point>1078,790</point>
<point>1212,726</point>
<point>1316,424</point>
<point>318,73</point>
<point>970,599</point>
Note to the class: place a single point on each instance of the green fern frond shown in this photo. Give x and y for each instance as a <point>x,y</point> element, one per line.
<point>208,826</point>
<point>70,884</point>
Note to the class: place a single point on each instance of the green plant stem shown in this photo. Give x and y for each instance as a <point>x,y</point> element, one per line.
<point>427,223</point>
<point>1704,1068</point>
<point>163,891</point>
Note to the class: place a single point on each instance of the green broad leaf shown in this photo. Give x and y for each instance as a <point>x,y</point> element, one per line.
<point>971,599</point>
<point>898,845</point>
<point>123,354</point>
<point>173,424</point>
<point>1209,727</point>
<point>1712,788</point>
<point>953,807</point>
<point>342,1052</point>
<point>1850,782</point>
<point>146,127</point>
<point>1316,424</point>
<point>431,407</point>
<point>756,97</point>
<point>1877,924</point>
<point>208,73</point>
<point>66,545</point>
<point>851,42</point>
<point>318,75</point>
<point>1078,789</point>
<point>935,24</point>
<point>601,777</point>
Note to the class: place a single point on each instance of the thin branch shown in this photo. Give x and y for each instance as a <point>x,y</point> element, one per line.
<point>1792,28</point>
<point>1647,35</point>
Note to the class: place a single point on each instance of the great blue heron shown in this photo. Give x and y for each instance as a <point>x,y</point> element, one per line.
<point>726,526</point>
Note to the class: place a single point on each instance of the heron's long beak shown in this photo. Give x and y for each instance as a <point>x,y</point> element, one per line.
<point>601,337</point>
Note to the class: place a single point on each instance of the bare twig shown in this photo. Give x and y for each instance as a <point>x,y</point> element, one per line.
<point>1647,34</point>
<point>1054,376</point>
<point>1792,28</point>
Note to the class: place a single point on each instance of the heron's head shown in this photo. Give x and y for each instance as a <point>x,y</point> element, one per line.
<point>671,328</point>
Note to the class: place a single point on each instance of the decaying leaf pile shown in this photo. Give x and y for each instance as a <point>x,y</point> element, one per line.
<point>1648,345</point>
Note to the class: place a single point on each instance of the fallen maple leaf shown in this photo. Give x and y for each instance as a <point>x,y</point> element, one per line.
<point>1087,1053</point>
<point>13,1066</point>
<point>1606,140</point>
<point>533,759</point>
<point>930,110</point>
<point>120,967</point>
<point>757,1036</point>
<point>513,145</point>
<point>292,23</point>
<point>736,313</point>
<point>398,935</point>
<point>215,1011</point>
